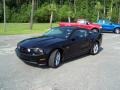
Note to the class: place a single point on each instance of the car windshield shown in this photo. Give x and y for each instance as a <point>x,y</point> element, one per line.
<point>59,32</point>
<point>104,22</point>
<point>82,21</point>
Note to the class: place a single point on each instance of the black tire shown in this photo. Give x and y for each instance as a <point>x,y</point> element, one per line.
<point>54,59</point>
<point>117,30</point>
<point>95,30</point>
<point>95,49</point>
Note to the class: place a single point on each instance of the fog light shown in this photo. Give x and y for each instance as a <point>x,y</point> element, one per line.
<point>42,59</point>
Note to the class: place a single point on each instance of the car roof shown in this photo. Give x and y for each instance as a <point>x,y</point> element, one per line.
<point>103,20</point>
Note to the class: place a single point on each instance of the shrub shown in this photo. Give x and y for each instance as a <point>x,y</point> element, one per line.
<point>23,15</point>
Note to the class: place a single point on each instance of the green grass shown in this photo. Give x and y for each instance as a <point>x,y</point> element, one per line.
<point>23,28</point>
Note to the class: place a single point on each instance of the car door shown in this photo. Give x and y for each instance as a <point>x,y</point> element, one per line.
<point>107,26</point>
<point>79,43</point>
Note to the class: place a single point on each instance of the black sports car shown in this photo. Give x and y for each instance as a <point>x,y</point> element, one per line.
<point>59,44</point>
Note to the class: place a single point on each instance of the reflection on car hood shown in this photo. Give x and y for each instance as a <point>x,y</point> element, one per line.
<point>40,42</point>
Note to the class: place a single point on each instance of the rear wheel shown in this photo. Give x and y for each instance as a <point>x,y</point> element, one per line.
<point>117,31</point>
<point>55,59</point>
<point>95,49</point>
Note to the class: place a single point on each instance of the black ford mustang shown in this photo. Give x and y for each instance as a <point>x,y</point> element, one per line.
<point>59,44</point>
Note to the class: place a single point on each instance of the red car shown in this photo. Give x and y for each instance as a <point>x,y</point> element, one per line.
<point>82,23</point>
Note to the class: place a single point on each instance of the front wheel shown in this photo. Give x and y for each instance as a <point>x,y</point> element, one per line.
<point>54,59</point>
<point>95,49</point>
<point>117,31</point>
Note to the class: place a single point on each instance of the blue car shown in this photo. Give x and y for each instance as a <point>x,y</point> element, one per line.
<point>108,26</point>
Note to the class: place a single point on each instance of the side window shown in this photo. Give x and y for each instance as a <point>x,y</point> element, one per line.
<point>107,22</point>
<point>80,33</point>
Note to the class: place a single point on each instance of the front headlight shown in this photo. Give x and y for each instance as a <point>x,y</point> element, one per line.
<point>18,46</point>
<point>37,51</point>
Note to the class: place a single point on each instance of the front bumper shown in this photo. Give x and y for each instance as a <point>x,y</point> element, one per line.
<point>35,59</point>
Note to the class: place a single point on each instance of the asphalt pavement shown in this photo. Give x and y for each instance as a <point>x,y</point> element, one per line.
<point>99,72</point>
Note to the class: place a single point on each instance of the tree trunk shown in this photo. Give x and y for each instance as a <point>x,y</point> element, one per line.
<point>98,16</point>
<point>69,3</point>
<point>75,6</point>
<point>104,9</point>
<point>61,3</point>
<point>69,20</point>
<point>31,18</point>
<point>111,8</point>
<point>51,19</point>
<point>4,7</point>
<point>119,16</point>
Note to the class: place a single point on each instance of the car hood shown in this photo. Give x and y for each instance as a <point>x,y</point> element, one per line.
<point>40,42</point>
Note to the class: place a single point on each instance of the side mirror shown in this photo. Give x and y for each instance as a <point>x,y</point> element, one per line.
<point>87,23</point>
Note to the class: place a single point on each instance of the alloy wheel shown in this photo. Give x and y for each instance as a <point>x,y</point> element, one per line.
<point>95,48</point>
<point>57,58</point>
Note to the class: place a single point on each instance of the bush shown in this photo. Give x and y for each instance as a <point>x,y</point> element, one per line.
<point>23,15</point>
<point>42,14</point>
<point>64,12</point>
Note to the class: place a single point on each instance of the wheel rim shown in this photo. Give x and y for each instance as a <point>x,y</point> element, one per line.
<point>117,31</point>
<point>95,49</point>
<point>57,58</point>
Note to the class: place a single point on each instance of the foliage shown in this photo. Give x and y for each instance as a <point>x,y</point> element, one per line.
<point>64,12</point>
<point>19,10</point>
<point>22,15</point>
<point>42,14</point>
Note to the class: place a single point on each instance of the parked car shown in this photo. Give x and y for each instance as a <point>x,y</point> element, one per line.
<point>108,26</point>
<point>82,23</point>
<point>59,44</point>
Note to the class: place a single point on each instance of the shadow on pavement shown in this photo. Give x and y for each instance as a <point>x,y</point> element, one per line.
<point>79,57</point>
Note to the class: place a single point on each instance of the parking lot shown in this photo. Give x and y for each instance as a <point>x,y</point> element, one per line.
<point>99,72</point>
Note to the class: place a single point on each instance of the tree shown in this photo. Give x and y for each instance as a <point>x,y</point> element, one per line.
<point>104,9</point>
<point>75,7</point>
<point>98,7</point>
<point>65,13</point>
<point>1,11</point>
<point>114,4</point>
<point>4,15</point>
<point>69,11</point>
<point>111,8</point>
<point>119,16</point>
<point>52,9</point>
<point>31,17</point>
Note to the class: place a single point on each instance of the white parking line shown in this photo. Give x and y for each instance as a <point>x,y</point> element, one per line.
<point>7,50</point>
<point>117,48</point>
<point>4,46</point>
<point>114,36</point>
